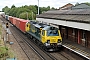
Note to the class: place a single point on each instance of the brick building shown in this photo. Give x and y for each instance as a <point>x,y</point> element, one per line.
<point>66,7</point>
<point>74,24</point>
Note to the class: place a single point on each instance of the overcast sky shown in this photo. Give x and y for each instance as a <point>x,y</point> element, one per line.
<point>42,3</point>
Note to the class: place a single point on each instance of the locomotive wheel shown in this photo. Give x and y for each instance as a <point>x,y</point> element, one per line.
<point>31,37</point>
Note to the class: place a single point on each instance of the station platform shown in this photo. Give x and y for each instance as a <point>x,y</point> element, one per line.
<point>81,50</point>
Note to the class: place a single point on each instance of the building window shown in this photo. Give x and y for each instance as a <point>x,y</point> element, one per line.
<point>63,28</point>
<point>73,31</point>
<point>83,35</point>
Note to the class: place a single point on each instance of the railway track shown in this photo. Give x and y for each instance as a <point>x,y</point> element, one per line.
<point>62,56</point>
<point>22,44</point>
<point>42,54</point>
<point>26,47</point>
<point>23,41</point>
<point>51,56</point>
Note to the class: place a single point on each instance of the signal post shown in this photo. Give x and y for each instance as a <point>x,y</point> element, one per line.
<point>7,28</point>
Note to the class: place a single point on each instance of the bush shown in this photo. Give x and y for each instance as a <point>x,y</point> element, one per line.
<point>3,51</point>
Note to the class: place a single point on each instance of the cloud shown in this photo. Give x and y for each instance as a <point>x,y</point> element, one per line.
<point>45,3</point>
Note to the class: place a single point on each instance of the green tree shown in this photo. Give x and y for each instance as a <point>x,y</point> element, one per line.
<point>3,9</point>
<point>27,15</point>
<point>32,10</point>
<point>36,9</point>
<point>13,12</point>
<point>48,8</point>
<point>21,10</point>
<point>44,9</point>
<point>13,6</point>
<point>87,3</point>
<point>52,8</point>
<point>6,9</point>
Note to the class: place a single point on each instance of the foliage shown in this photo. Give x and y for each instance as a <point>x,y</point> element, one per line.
<point>0,29</point>
<point>87,3</point>
<point>13,6</point>
<point>6,9</point>
<point>32,10</point>
<point>43,9</point>
<point>53,8</point>
<point>3,51</point>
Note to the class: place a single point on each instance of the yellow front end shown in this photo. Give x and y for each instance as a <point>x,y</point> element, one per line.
<point>51,40</point>
<point>27,27</point>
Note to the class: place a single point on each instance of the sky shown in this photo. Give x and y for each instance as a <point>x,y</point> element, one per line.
<point>42,3</point>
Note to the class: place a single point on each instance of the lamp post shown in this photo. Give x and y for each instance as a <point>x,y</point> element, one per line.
<point>38,7</point>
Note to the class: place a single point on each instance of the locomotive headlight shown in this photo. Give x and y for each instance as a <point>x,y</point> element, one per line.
<point>59,40</point>
<point>48,41</point>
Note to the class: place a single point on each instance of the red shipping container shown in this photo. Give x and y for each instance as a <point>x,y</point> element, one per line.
<point>11,19</point>
<point>14,21</point>
<point>17,22</point>
<point>23,25</point>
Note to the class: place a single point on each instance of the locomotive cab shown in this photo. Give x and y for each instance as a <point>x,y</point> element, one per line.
<point>51,37</point>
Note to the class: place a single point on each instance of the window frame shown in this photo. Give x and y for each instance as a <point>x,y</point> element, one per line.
<point>43,32</point>
<point>83,35</point>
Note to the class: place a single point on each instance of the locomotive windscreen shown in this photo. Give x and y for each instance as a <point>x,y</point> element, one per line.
<point>52,33</point>
<point>52,28</point>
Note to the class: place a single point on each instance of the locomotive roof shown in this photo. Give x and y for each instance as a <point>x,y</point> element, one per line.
<point>49,28</point>
<point>33,22</point>
<point>37,24</point>
<point>42,25</point>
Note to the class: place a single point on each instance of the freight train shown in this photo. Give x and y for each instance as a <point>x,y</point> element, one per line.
<point>48,37</point>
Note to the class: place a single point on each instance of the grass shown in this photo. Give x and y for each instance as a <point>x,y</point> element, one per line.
<point>0,29</point>
<point>10,54</point>
<point>3,51</point>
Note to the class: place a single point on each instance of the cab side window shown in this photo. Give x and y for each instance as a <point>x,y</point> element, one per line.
<point>43,33</point>
<point>27,25</point>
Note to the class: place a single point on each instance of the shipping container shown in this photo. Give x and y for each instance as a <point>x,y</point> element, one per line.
<point>11,19</point>
<point>23,25</point>
<point>17,22</point>
<point>14,21</point>
<point>6,17</point>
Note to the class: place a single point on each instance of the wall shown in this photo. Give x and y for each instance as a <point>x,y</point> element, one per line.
<point>88,39</point>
